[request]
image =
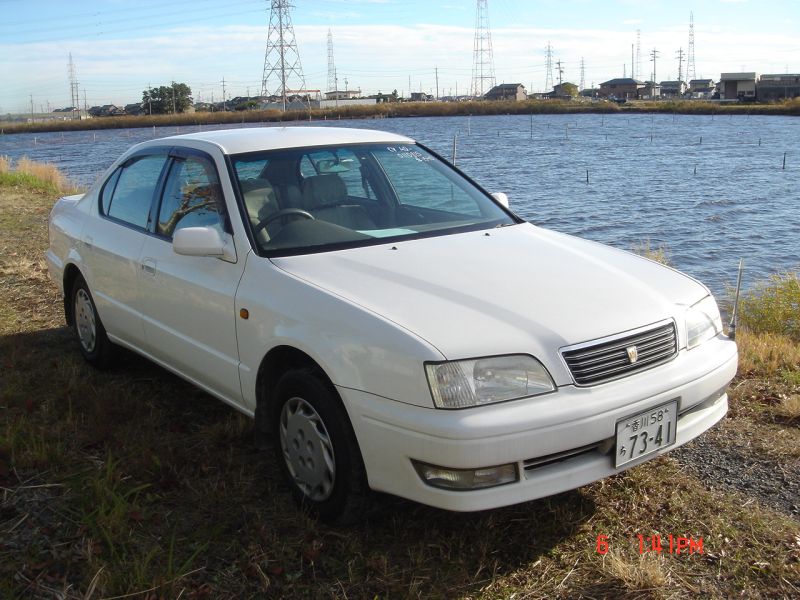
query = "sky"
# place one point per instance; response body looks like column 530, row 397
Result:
column 120, row 47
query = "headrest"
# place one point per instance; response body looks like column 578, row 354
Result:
column 324, row 190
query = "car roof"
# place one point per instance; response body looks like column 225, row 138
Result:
column 253, row 139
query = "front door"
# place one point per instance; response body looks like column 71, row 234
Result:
column 189, row 313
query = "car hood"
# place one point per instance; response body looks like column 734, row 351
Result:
column 516, row 289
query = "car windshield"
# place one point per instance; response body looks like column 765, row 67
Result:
column 315, row 199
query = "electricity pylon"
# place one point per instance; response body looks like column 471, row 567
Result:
column 283, row 73
column 482, row 61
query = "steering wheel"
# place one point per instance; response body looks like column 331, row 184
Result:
column 285, row 212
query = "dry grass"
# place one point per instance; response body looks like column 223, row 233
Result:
column 773, row 306
column 766, row 354
column 645, row 572
column 30, row 174
column 134, row 482
column 660, row 254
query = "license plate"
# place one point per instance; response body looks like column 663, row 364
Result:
column 645, row 433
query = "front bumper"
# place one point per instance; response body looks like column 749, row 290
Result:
column 391, row 434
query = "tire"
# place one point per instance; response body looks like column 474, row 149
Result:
column 90, row 334
column 316, row 449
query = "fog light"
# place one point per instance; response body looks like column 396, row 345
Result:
column 466, row 479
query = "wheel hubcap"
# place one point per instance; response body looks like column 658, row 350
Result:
column 84, row 320
column 307, row 449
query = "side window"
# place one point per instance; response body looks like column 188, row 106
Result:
column 133, row 194
column 108, row 191
column 192, row 197
column 419, row 182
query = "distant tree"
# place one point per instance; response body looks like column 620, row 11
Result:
column 569, row 89
column 247, row 105
column 167, row 99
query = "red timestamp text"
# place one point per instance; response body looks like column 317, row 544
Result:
column 658, row 544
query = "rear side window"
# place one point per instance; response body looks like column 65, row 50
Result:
column 192, row 197
column 133, row 194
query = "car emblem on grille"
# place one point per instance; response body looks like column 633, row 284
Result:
column 633, row 353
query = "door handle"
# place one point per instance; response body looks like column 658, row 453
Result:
column 149, row 266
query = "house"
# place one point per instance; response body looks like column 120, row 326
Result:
column 507, row 91
column 342, row 94
column 737, row 86
column 673, row 89
column 702, row 88
column 778, row 87
column 651, row 90
column 420, row 97
column 107, row 110
column 564, row 91
column 137, row 108
column 622, row 88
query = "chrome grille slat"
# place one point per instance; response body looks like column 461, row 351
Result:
column 608, row 360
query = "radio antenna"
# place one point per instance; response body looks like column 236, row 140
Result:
column 732, row 326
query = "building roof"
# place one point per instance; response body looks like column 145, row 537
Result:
column 506, row 87
column 738, row 76
column 253, row 139
column 672, row 83
column 701, row 81
column 622, row 81
column 780, row 77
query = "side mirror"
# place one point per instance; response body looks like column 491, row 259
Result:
column 198, row 241
column 501, row 197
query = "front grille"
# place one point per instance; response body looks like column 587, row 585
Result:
column 607, row 360
column 543, row 461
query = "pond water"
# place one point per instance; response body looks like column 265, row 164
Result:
column 709, row 189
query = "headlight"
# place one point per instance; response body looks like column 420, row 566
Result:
column 702, row 322
column 465, row 383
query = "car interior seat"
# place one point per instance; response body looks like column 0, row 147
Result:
column 325, row 197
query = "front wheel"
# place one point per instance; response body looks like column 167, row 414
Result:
column 93, row 342
column 317, row 450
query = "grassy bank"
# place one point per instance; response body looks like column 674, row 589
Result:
column 134, row 482
column 408, row 109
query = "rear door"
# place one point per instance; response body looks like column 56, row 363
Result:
column 189, row 312
column 113, row 243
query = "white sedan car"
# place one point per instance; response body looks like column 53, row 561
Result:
column 388, row 323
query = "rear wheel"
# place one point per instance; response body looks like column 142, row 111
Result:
column 93, row 342
column 316, row 448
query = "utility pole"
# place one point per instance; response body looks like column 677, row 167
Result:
column 583, row 76
column 173, row 98
column 85, row 104
column 633, row 64
column 560, row 73
column 32, row 117
column 653, row 57
column 149, row 99
column 224, row 106
column 679, row 54
column 437, row 83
